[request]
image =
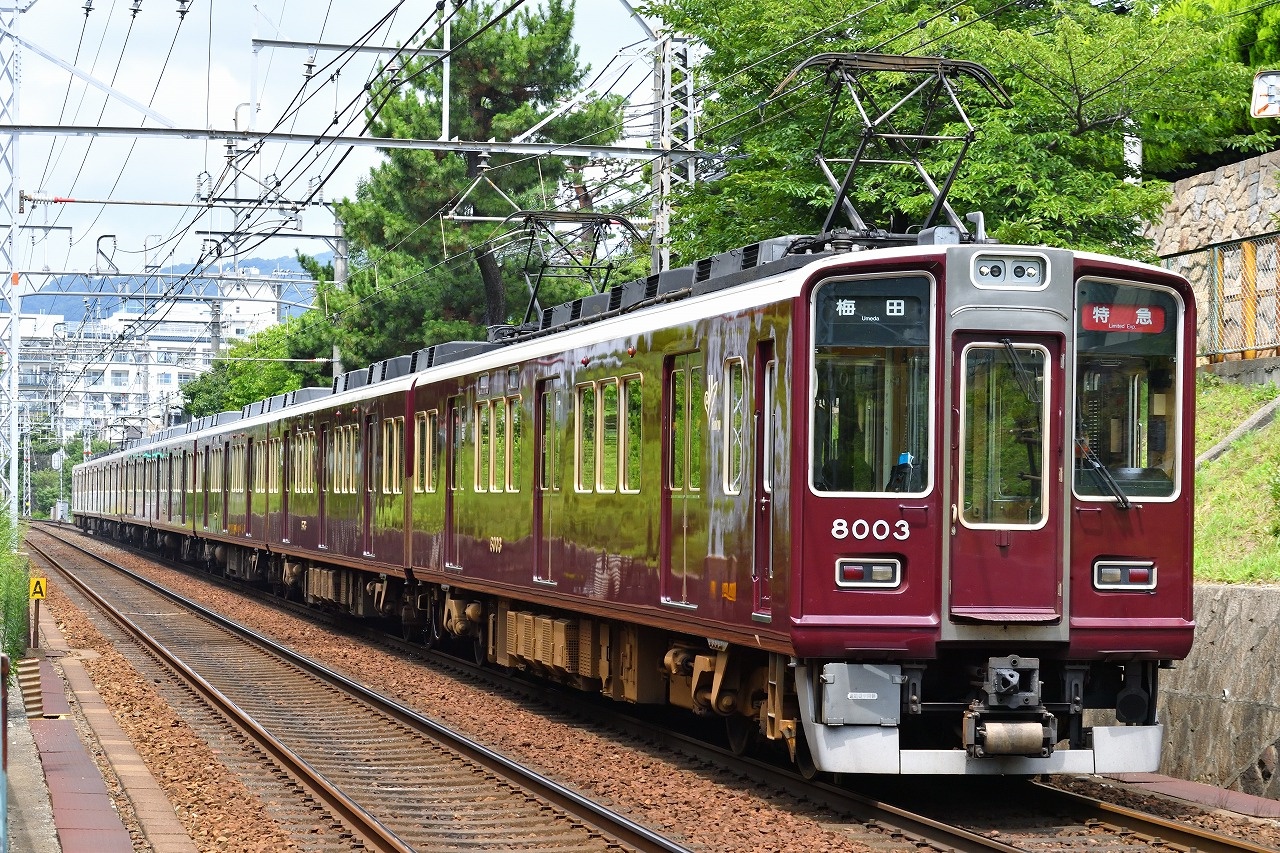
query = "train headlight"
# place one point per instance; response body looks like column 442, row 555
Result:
column 1124, row 575
column 868, row 573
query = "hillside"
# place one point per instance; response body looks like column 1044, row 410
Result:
column 1237, row 536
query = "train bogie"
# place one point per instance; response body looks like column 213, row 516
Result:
column 915, row 510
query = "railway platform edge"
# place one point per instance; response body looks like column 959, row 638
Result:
column 58, row 799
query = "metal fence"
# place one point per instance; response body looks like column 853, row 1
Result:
column 1237, row 287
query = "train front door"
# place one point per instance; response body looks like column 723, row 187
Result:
column 1006, row 513
column 684, row 515
column 548, row 499
column 765, row 375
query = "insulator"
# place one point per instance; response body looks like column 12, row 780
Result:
column 88, row 7
column 136, row 7
column 182, row 8
column 309, row 67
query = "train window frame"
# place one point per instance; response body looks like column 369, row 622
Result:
column 515, row 437
column 483, row 442
column 375, row 455
column 928, row 408
column 425, row 425
column 609, row 439
column 733, row 431
column 1046, row 392
column 631, row 449
column 686, row 385
column 586, row 443
column 392, row 455
column 499, row 472
column 551, row 406
column 1174, row 407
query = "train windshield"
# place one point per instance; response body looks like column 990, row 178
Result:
column 1127, row 406
column 870, row 385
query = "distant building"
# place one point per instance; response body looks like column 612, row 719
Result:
column 119, row 376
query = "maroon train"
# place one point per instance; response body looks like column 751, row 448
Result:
column 919, row 509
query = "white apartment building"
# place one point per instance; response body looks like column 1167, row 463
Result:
column 119, row 376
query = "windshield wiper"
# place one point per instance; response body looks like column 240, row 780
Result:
column 1026, row 379
column 1099, row 470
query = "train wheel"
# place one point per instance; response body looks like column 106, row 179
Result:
column 479, row 648
column 740, row 732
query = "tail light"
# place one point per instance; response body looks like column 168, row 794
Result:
column 1124, row 575
column 868, row 573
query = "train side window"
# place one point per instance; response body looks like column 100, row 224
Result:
column 735, row 425
column 483, row 445
column 500, row 479
column 632, row 438
column 586, row 446
column 392, row 454
column 421, row 451
column 695, row 428
column 457, row 427
column 514, row 434
column 686, row 425
column 550, row 408
column 374, row 454
column 610, row 435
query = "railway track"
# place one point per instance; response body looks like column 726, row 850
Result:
column 1076, row 822
column 393, row 779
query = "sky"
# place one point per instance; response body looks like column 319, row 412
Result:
column 199, row 71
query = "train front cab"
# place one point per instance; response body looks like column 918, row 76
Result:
column 997, row 525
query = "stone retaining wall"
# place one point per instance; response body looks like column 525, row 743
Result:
column 1229, row 203
column 1221, row 706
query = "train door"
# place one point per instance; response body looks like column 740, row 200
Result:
column 765, row 376
column 204, row 483
column 322, row 491
column 1006, row 515
column 455, row 418
column 250, row 482
column 372, row 469
column 286, row 481
column 548, row 499
column 225, row 481
column 684, row 521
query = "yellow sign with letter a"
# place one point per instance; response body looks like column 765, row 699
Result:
column 38, row 587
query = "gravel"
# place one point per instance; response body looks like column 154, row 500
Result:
column 706, row 808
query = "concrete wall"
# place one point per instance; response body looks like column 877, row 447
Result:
column 1221, row 706
column 1247, row 371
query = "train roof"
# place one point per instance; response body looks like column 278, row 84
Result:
column 755, row 263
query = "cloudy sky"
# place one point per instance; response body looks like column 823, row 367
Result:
column 199, row 72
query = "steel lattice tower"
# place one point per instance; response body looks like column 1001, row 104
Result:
column 9, row 330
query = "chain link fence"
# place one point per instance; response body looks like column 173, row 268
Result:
column 1237, row 287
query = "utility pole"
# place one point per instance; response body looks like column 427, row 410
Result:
column 9, row 75
column 673, row 128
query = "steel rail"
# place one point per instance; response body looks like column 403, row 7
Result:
column 611, row 823
column 1152, row 827
column 365, row 825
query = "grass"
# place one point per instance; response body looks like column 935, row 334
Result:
column 13, row 592
column 1237, row 520
column 1221, row 407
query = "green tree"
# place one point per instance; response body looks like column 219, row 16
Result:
column 1049, row 170
column 270, row 362
column 415, row 279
